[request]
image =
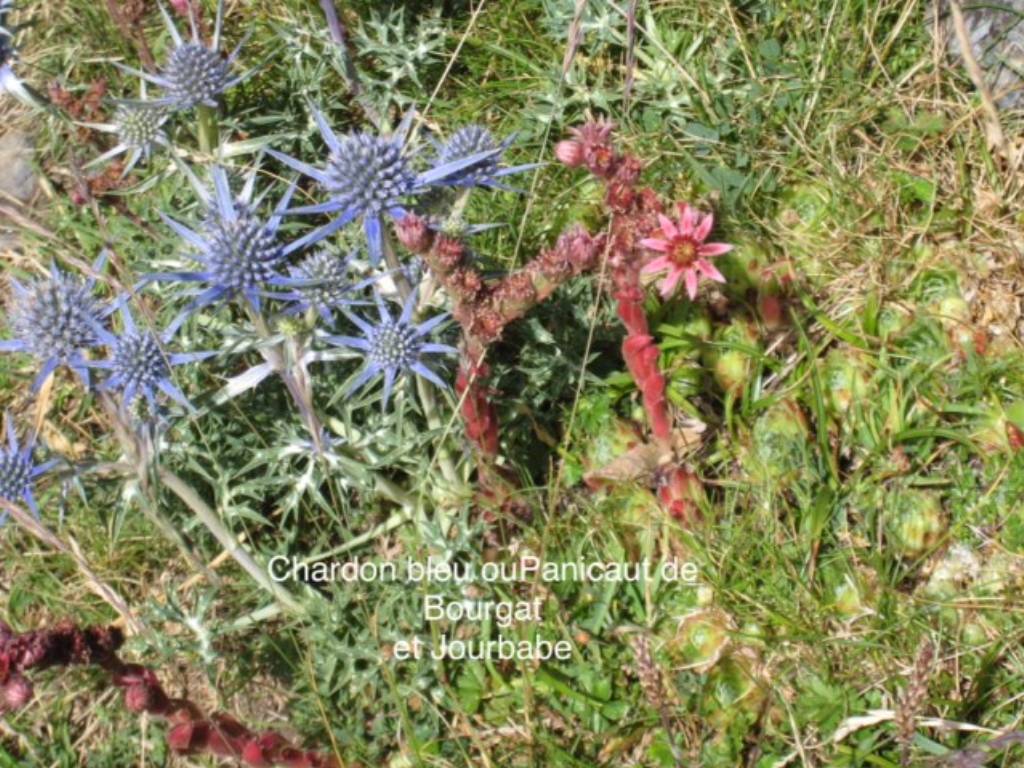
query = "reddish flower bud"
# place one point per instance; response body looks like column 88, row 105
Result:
column 488, row 324
column 465, row 284
column 627, row 173
column 771, row 310
column 599, row 160
column 412, row 232
column 1015, row 437
column 259, row 752
column 16, row 693
column 222, row 744
column 569, row 152
column 449, row 252
column 620, row 197
column 594, row 132
column 679, row 491
column 579, row 248
column 80, row 195
column 138, row 697
column 188, row 737
column 980, row 342
column 253, row 754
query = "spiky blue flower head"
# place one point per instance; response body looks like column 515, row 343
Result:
column 368, row 177
column 139, row 365
column 55, row 320
column 9, row 81
column 476, row 141
column 322, row 283
column 194, row 74
column 138, row 126
column 6, row 56
column 394, row 346
column 6, row 33
column 238, row 249
column 18, row 472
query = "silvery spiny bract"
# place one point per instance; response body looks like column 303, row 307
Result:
column 399, row 49
column 18, row 472
column 194, row 74
column 473, row 140
column 369, row 176
column 394, row 346
column 139, row 365
column 239, row 250
column 139, row 129
column 321, row 281
column 9, row 82
column 55, row 319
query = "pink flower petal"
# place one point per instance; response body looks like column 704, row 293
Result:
column 687, row 219
column 654, row 244
column 691, row 283
column 714, row 249
column 703, row 229
column 708, row 270
column 659, row 264
column 668, row 286
column 667, row 226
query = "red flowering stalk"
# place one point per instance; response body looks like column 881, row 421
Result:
column 645, row 241
column 635, row 214
column 641, row 356
column 478, row 411
column 483, row 308
column 190, row 732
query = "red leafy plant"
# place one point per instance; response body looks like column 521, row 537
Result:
column 640, row 241
column 190, row 733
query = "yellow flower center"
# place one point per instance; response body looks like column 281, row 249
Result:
column 683, row 252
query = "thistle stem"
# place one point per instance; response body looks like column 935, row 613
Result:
column 425, row 392
column 209, row 130
column 172, row 534
column 133, row 443
column 209, row 518
column 300, row 393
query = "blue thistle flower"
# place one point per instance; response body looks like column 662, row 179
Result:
column 321, row 282
column 18, row 472
column 138, row 126
column 138, row 364
column 367, row 177
column 394, row 346
column 55, row 320
column 6, row 33
column 239, row 250
column 194, row 74
column 9, row 81
column 7, row 76
column 474, row 141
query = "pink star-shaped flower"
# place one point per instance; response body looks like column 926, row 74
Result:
column 684, row 254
